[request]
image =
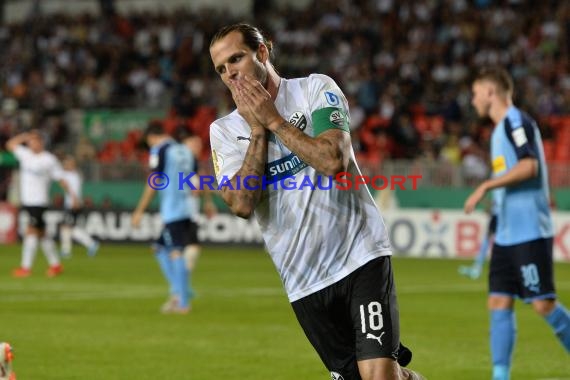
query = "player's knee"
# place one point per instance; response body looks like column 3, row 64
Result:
column 191, row 254
column 408, row 374
column 175, row 254
column 379, row 369
column 544, row 307
column 500, row 302
column 34, row 231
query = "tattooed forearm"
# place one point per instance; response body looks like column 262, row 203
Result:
column 242, row 196
column 327, row 154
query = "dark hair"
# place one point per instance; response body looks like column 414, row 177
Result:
column 498, row 76
column 182, row 133
column 252, row 36
column 154, row 128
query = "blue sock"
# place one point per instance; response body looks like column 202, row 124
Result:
column 503, row 334
column 181, row 279
column 163, row 258
column 482, row 255
column 559, row 320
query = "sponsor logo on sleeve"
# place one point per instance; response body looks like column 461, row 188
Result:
column 519, row 137
column 337, row 118
column 298, row 120
column 499, row 164
column 332, row 99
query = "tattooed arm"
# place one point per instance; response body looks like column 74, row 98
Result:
column 328, row 153
column 239, row 198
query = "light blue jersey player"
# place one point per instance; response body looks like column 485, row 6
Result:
column 167, row 160
column 521, row 262
column 514, row 138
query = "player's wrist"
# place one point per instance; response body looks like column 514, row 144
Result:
column 276, row 124
column 259, row 132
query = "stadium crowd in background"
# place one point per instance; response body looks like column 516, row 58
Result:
column 404, row 67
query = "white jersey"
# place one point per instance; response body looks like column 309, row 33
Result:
column 315, row 237
column 36, row 173
column 75, row 183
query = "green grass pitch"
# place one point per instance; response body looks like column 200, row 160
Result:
column 100, row 320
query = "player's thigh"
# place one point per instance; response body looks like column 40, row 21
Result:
column 36, row 221
column 503, row 277
column 535, row 270
column 327, row 325
column 192, row 234
column 70, row 217
column 175, row 235
column 374, row 311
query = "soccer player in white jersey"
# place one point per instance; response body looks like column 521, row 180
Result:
column 69, row 230
column 38, row 168
column 330, row 246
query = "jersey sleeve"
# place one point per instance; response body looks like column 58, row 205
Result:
column 328, row 105
column 520, row 132
column 56, row 172
column 226, row 158
column 157, row 158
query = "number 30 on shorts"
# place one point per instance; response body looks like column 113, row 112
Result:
column 374, row 320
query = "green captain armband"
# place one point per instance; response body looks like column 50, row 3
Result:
column 329, row 118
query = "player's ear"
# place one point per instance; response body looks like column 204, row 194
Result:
column 262, row 53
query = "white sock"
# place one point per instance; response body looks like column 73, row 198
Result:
column 65, row 240
column 81, row 236
column 29, row 251
column 48, row 246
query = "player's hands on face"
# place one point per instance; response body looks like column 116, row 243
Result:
column 242, row 106
column 255, row 102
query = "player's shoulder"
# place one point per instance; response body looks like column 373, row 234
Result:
column 162, row 148
column 517, row 118
column 313, row 82
column 229, row 118
column 48, row 156
column 228, row 125
column 317, row 78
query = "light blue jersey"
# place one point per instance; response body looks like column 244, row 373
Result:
column 172, row 158
column 523, row 211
